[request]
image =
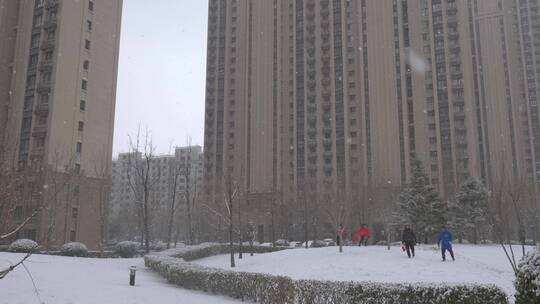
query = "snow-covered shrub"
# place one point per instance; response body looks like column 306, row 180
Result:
column 23, row 245
column 317, row 244
column 282, row 243
column 329, row 242
column 158, row 246
column 271, row 289
column 74, row 249
column 126, row 249
column 528, row 279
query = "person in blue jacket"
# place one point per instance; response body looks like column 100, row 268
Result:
column 445, row 243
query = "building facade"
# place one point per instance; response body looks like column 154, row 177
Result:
column 175, row 177
column 58, row 75
column 313, row 100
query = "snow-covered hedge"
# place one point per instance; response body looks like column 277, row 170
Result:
column 23, row 245
column 190, row 253
column 272, row 289
column 74, row 249
column 282, row 243
column 126, row 249
column 528, row 279
column 158, row 246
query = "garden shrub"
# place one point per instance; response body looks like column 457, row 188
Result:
column 74, row 249
column 527, row 281
column 23, row 245
column 126, row 249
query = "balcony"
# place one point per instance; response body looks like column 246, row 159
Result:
column 44, row 87
column 52, row 4
column 39, row 131
column 37, row 152
column 47, row 44
column 45, row 66
column 49, row 24
column 42, row 108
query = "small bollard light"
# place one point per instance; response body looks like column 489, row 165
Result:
column 132, row 271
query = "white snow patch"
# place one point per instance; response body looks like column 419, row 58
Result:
column 482, row 264
column 63, row 280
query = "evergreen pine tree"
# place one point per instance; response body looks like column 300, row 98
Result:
column 469, row 212
column 420, row 205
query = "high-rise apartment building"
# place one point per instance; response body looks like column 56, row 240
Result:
column 58, row 74
column 318, row 99
column 177, row 177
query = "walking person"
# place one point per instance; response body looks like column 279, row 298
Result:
column 339, row 234
column 363, row 234
column 408, row 239
column 339, row 237
column 445, row 243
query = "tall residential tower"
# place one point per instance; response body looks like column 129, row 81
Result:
column 58, row 74
column 318, row 100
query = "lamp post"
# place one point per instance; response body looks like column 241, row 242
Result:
column 132, row 271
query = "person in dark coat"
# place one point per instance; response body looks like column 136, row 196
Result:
column 408, row 239
column 339, row 234
column 445, row 243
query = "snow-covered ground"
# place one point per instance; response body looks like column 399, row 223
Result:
column 65, row 280
column 474, row 264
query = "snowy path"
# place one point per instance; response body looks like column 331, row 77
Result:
column 64, row 280
column 474, row 264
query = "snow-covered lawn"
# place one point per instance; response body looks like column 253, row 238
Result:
column 474, row 264
column 65, row 280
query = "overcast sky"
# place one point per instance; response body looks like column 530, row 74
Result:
column 161, row 75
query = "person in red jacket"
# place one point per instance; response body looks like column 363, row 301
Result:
column 363, row 235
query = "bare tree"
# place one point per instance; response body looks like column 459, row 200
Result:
column 172, row 209
column 143, row 179
column 190, row 200
column 102, row 172
column 230, row 194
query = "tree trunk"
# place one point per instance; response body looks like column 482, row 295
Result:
column 146, row 224
column 231, row 238
column 171, row 217
column 241, row 236
column 189, row 215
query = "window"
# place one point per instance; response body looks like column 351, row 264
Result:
column 74, row 213
column 82, row 105
column 77, row 168
column 88, row 25
column 28, row 101
column 81, row 126
column 49, row 56
column 87, row 44
column 86, row 64
column 35, row 41
column 72, row 236
column 84, row 84
column 79, row 148
column 51, row 35
column 91, row 6
column 40, row 142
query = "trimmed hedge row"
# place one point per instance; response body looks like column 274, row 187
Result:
column 205, row 250
column 271, row 289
